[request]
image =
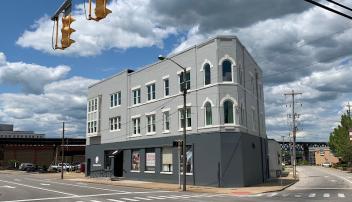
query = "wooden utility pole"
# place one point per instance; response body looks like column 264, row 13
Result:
column 62, row 150
column 294, row 115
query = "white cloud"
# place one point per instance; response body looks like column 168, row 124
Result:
column 131, row 24
column 31, row 77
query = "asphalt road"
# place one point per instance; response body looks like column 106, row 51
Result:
column 316, row 184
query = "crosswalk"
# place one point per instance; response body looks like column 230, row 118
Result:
column 301, row 195
column 153, row 198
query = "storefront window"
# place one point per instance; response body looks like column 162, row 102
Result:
column 166, row 159
column 136, row 159
column 189, row 155
column 150, row 159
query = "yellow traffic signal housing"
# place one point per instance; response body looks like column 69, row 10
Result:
column 100, row 10
column 66, row 31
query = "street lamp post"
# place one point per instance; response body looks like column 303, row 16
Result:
column 184, row 90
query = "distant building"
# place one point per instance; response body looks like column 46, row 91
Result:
column 275, row 159
column 6, row 131
column 320, row 155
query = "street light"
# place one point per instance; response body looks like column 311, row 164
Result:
column 184, row 90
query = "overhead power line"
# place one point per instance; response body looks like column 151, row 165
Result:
column 330, row 9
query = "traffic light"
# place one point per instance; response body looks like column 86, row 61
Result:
column 100, row 10
column 66, row 31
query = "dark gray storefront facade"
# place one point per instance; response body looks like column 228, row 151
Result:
column 218, row 159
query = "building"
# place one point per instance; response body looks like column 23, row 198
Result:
column 6, row 131
column 320, row 155
column 29, row 147
column 275, row 159
column 134, row 117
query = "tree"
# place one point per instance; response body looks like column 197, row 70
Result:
column 339, row 140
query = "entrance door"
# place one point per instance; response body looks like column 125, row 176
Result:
column 88, row 167
column 118, row 164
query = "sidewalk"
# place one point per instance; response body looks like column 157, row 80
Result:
column 271, row 186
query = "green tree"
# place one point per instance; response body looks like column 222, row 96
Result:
column 339, row 140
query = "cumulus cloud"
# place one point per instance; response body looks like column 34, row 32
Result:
column 31, row 77
column 131, row 24
column 47, row 98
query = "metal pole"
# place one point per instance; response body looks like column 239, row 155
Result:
column 179, row 165
column 62, row 150
column 294, row 134
column 184, row 130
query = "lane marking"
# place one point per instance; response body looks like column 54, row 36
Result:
column 155, row 197
column 87, row 196
column 129, row 199
column 7, row 186
column 326, row 195
column 312, row 195
column 76, row 185
column 143, row 199
column 44, row 184
column 114, row 200
column 285, row 195
column 340, row 195
column 94, row 201
column 339, row 177
column 272, row 194
column 40, row 188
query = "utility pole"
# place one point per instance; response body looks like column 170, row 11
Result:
column 62, row 150
column 349, row 109
column 294, row 128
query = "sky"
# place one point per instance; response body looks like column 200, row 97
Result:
column 297, row 46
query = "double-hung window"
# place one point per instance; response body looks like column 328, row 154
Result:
column 136, row 126
column 151, row 91
column 166, row 159
column 166, row 121
column 188, row 118
column 115, row 123
column 185, row 80
column 151, row 124
column 136, row 96
column 166, row 87
column 115, row 99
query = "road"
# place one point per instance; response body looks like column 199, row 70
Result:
column 316, row 184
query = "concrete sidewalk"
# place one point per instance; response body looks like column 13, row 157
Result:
column 271, row 186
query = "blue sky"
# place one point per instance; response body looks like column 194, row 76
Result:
column 297, row 46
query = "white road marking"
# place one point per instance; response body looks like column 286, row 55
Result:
column 94, row 201
column 333, row 180
column 129, row 199
column 40, row 188
column 298, row 195
column 326, row 195
column 155, row 197
column 114, row 200
column 285, row 194
column 7, row 186
column 272, row 194
column 86, row 196
column 340, row 177
column 141, row 198
column 311, row 195
column 44, row 184
column 340, row 195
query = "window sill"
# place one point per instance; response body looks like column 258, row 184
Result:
column 166, row 132
column 135, row 171
column 147, row 171
column 150, row 101
column 115, row 106
column 152, row 133
column 166, row 173
column 136, row 105
column 188, row 174
column 187, row 129
column 136, row 135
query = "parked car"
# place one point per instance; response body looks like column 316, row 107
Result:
column 26, row 167
column 326, row 164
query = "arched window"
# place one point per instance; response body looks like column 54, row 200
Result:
column 207, row 75
column 208, row 114
column 228, row 112
column 226, row 71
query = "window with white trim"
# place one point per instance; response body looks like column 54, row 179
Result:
column 151, row 123
column 227, row 71
column 208, row 114
column 207, row 74
column 166, row 159
column 166, row 121
column 185, row 80
column 166, row 87
column 228, row 112
column 188, row 118
column 136, row 126
column 151, row 91
column 115, row 99
column 150, row 159
column 92, row 116
column 136, row 96
column 115, row 123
